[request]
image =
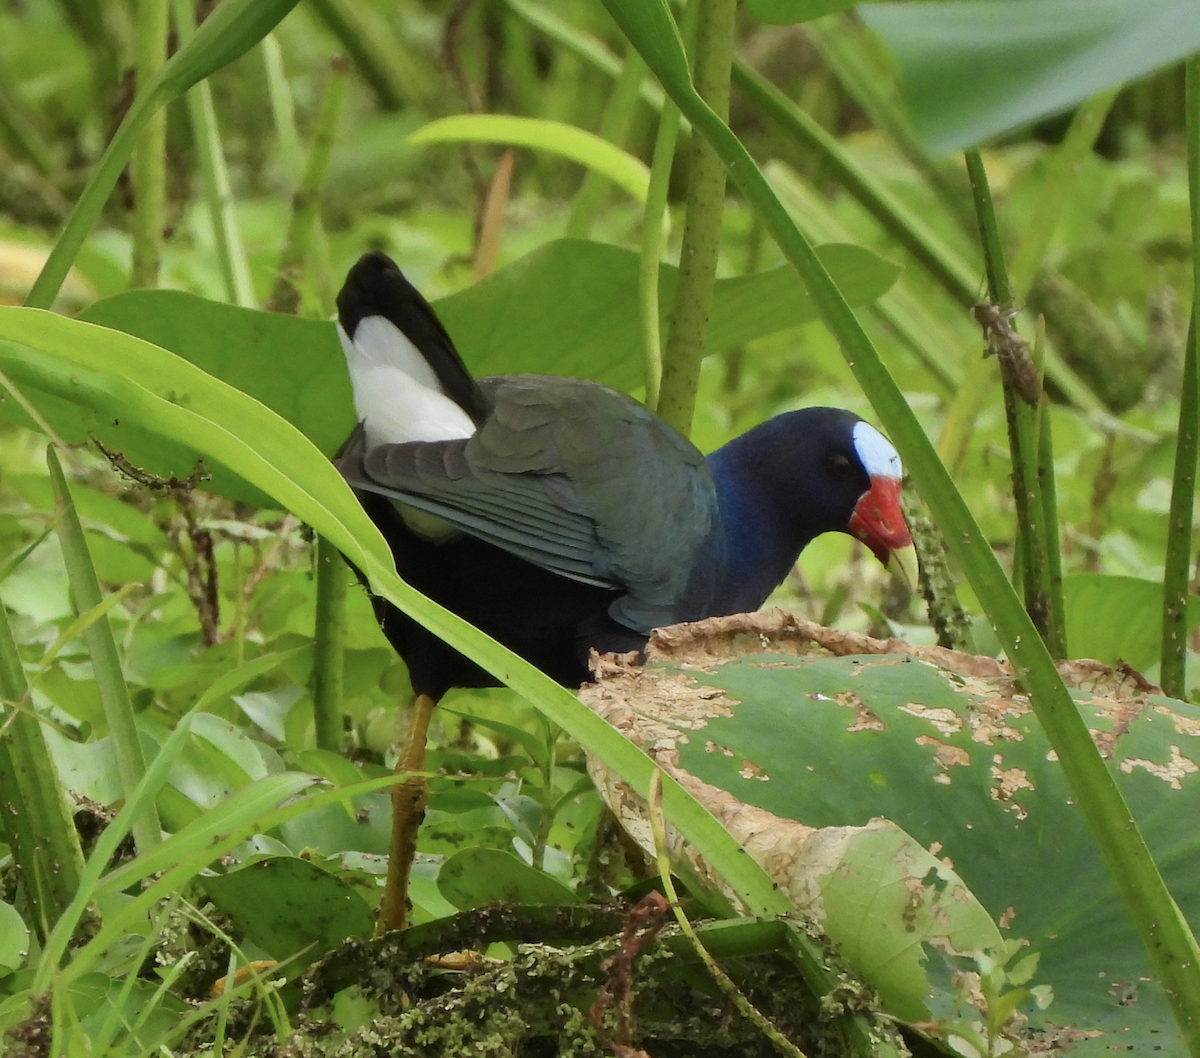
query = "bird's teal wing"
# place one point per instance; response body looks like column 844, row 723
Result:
column 570, row 475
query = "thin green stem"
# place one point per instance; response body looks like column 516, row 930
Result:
column 1022, row 425
column 1187, row 440
column 41, row 833
column 150, row 156
column 658, row 826
column 329, row 657
column 397, row 72
column 106, row 663
column 655, row 225
column 1058, row 616
column 283, row 112
column 702, row 232
column 306, row 202
column 231, row 254
column 614, row 127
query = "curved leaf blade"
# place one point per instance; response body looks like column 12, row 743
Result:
column 969, row 71
column 577, row 144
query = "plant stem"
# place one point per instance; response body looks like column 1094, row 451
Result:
column 654, row 243
column 655, row 228
column 283, row 112
column 1058, row 616
column 1022, row 424
column 231, row 255
column 306, row 202
column 491, row 219
column 702, row 233
column 38, row 820
column 1183, row 486
column 149, row 156
column 106, row 663
column 329, row 658
column 398, row 74
column 303, row 237
column 614, row 127
column 733, row 994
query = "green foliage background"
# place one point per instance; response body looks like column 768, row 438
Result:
column 212, row 592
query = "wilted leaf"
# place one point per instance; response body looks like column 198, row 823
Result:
column 945, row 746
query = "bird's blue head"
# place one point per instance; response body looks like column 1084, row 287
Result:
column 804, row 473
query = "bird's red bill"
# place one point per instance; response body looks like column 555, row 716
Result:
column 878, row 521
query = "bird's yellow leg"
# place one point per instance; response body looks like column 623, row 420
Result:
column 408, row 810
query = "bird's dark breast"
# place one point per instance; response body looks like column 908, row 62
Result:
column 547, row 619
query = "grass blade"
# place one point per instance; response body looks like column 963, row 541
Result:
column 102, row 647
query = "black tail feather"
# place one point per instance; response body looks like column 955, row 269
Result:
column 375, row 286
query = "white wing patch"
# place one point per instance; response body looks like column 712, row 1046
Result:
column 878, row 457
column 397, row 396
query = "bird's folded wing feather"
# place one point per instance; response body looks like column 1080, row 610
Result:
column 567, row 474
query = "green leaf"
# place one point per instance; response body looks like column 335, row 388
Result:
column 789, row 12
column 586, row 148
column 227, row 34
column 14, row 939
column 332, row 829
column 478, row 876
column 651, row 28
column 962, row 765
column 1117, row 618
column 284, row 904
column 293, row 366
column 969, row 71
column 1167, row 936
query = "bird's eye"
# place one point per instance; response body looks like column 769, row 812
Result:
column 839, row 465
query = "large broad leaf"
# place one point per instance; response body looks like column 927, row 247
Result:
column 287, row 905
column 568, row 308
column 971, row 70
column 958, row 760
column 1117, row 618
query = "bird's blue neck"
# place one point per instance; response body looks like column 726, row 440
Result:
column 758, row 546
